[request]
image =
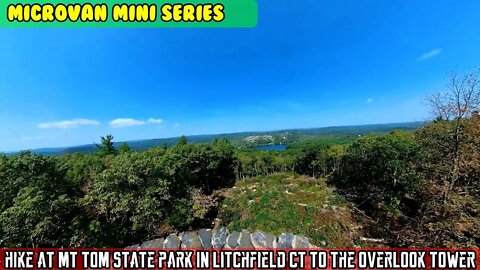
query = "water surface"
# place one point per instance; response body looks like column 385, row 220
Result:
column 272, row 147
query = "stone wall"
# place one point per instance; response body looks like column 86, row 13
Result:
column 222, row 238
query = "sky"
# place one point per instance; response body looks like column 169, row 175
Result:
column 308, row 63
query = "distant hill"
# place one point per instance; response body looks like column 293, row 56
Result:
column 291, row 137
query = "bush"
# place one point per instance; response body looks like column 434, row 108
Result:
column 381, row 168
column 112, row 199
column 36, row 205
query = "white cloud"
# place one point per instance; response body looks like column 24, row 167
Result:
column 126, row 122
column 369, row 100
column 155, row 121
column 69, row 123
column 130, row 122
column 176, row 125
column 430, row 54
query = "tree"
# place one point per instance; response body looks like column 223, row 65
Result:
column 124, row 148
column 37, row 219
column 381, row 168
column 335, row 154
column 311, row 161
column 452, row 188
column 110, row 200
column 460, row 100
column 81, row 168
column 36, row 202
column 182, row 140
column 106, row 146
column 29, row 170
column 451, row 109
column 206, row 166
column 128, row 200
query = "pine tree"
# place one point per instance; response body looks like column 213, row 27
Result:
column 106, row 147
column 182, row 140
column 124, row 149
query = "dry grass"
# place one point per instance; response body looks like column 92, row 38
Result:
column 283, row 202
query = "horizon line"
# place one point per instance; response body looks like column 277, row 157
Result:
column 207, row 134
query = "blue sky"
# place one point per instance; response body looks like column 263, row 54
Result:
column 309, row 63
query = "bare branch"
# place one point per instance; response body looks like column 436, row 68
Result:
column 461, row 99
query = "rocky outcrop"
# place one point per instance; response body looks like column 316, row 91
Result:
column 222, row 238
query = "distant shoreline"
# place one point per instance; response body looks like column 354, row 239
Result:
column 237, row 137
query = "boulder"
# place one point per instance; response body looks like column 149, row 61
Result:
column 219, row 237
column 245, row 240
column 285, row 240
column 157, row 243
column 300, row 242
column 262, row 240
column 172, row 241
column 232, row 240
column 190, row 240
column 133, row 247
column 205, row 238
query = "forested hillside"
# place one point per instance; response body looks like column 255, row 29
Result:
column 403, row 188
column 294, row 138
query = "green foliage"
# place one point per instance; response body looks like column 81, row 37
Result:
column 106, row 147
column 254, row 163
column 37, row 217
column 124, row 149
column 334, row 156
column 28, row 170
column 140, row 192
column 110, row 199
column 320, row 160
column 205, row 166
column 116, row 198
column 181, row 216
column 323, row 141
column 81, row 169
column 450, row 160
column 36, row 202
column 182, row 140
column 311, row 161
column 129, row 197
column 202, row 204
column 381, row 168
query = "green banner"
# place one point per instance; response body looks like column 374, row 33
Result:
column 128, row 13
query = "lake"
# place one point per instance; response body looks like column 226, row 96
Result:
column 272, row 147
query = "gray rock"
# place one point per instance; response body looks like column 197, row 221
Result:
column 300, row 242
column 262, row 240
column 245, row 240
column 205, row 238
column 190, row 240
column 285, row 240
column 157, row 243
column 232, row 240
column 172, row 241
column 219, row 238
